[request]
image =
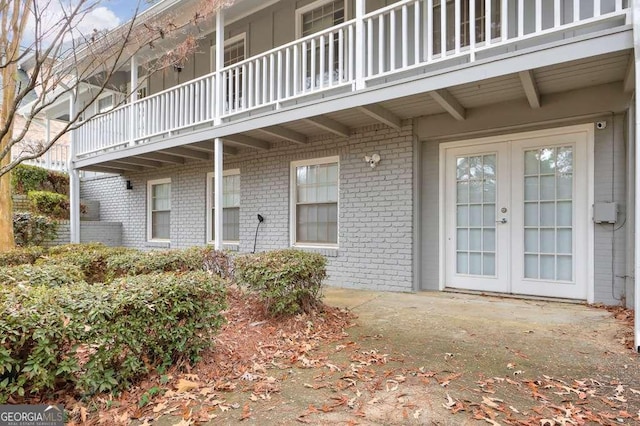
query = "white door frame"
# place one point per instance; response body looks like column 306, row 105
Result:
column 588, row 129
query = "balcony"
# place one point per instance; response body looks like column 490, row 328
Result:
column 400, row 41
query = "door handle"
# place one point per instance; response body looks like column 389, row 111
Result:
column 503, row 220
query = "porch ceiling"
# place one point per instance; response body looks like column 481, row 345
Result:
column 456, row 100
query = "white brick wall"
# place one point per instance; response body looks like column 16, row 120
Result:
column 375, row 208
column 108, row 233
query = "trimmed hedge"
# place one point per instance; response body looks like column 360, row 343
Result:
column 54, row 275
column 289, row 281
column 138, row 263
column 102, row 338
column 49, row 204
column 92, row 258
column 26, row 178
column 21, row 256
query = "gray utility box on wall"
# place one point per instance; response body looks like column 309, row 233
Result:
column 604, row 212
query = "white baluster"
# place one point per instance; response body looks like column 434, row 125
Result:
column 429, row 35
column 331, row 64
column 381, row 44
column 443, row 28
column 405, row 37
column 538, row 15
column 487, row 22
column 504, row 21
column 520, row 18
column 369, row 70
column 322, row 64
column 457, row 22
column 272, row 77
column 417, row 24
column 392, row 41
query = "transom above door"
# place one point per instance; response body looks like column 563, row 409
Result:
column 517, row 214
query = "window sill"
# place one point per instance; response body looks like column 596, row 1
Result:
column 158, row 244
column 328, row 251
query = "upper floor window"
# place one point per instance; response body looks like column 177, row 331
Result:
column 465, row 28
column 234, row 51
column 159, row 210
column 230, row 207
column 314, row 201
column 320, row 15
column 105, row 103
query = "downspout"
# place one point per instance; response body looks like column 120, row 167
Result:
column 636, row 47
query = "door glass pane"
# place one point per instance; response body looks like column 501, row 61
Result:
column 548, row 231
column 475, row 215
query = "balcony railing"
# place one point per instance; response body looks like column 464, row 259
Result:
column 56, row 158
column 399, row 37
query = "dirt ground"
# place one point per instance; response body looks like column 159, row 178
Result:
column 450, row 359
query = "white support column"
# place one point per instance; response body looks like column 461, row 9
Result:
column 133, row 97
column 74, row 181
column 218, row 192
column 219, row 61
column 636, row 43
column 361, row 44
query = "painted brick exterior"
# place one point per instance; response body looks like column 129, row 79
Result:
column 375, row 205
column 107, row 233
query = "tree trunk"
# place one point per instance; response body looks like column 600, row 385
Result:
column 7, row 241
column 6, row 209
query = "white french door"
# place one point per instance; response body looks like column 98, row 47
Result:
column 517, row 216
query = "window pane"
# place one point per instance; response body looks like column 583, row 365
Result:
column 317, row 223
column 160, row 225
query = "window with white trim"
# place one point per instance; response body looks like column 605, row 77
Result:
column 159, row 210
column 314, row 201
column 234, row 52
column 105, row 103
column 320, row 15
column 313, row 18
column 230, row 207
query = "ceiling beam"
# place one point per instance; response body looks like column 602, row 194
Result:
column 163, row 158
column 188, row 153
column 286, row 134
column 120, row 166
column 530, row 87
column 447, row 101
column 207, row 146
column 247, row 142
column 630, row 75
column 382, row 115
column 330, row 125
column 140, row 162
column 103, row 170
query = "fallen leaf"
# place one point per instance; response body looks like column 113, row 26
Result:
column 186, row 385
column 161, row 406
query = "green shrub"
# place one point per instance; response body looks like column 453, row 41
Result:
column 49, row 204
column 21, row 256
column 30, row 229
column 140, row 263
column 102, row 338
column 28, row 178
column 289, row 281
column 90, row 258
column 54, row 275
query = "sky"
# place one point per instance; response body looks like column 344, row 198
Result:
column 106, row 15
